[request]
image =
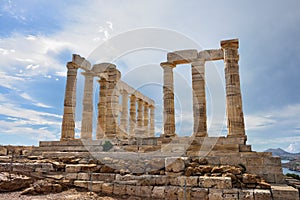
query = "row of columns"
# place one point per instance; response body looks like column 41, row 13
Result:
column 234, row 111
column 108, row 107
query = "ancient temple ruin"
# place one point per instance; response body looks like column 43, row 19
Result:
column 134, row 150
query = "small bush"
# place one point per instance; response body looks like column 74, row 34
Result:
column 243, row 167
column 107, row 146
column 295, row 176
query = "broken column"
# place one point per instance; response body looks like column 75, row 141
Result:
column 124, row 111
column 199, row 99
column 100, row 133
column 132, row 114
column 87, row 112
column 235, row 116
column 168, row 98
column 68, row 122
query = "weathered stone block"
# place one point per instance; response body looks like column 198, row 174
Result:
column 284, row 192
column 215, row 182
column 83, row 176
column 210, row 55
column 83, row 184
column 161, row 180
column 174, row 164
column 158, row 192
column 199, row 193
column 130, row 189
column 215, row 194
column 107, row 177
column 231, row 194
column 146, row 191
column 107, row 188
column 191, row 181
column 119, row 189
column 184, row 193
column 71, row 176
column 246, row 194
column 262, row 194
column 181, row 57
column 171, row 192
column 74, row 168
column 96, row 186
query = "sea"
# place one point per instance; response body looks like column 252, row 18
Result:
column 286, row 170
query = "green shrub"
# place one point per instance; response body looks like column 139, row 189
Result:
column 243, row 167
column 107, row 146
column 295, row 176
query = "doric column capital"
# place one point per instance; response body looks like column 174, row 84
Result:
column 230, row 44
column 167, row 65
column 71, row 65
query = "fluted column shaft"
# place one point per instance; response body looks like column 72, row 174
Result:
column 146, row 119
column 101, row 124
column 168, row 91
column 151, row 127
column 87, row 112
column 68, row 122
column 234, row 109
column 199, row 99
column 112, row 102
column 140, row 113
column 124, row 112
column 132, row 114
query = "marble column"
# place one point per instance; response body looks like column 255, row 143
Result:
column 140, row 113
column 101, row 124
column 168, row 91
column 234, row 108
column 132, row 114
column 112, row 102
column 87, row 109
column 124, row 111
column 146, row 119
column 68, row 121
column 152, row 116
column 199, row 99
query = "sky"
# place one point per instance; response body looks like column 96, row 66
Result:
column 38, row 38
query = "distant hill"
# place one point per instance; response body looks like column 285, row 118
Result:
column 283, row 154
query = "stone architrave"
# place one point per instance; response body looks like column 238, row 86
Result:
column 199, row 98
column 124, row 111
column 168, row 92
column 235, row 116
column 101, row 124
column 112, row 102
column 87, row 112
column 68, row 121
column 152, row 116
column 132, row 112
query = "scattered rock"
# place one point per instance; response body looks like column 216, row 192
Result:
column 42, row 187
column 3, row 151
column 13, row 182
column 249, row 178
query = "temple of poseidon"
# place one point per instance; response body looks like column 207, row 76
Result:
column 125, row 157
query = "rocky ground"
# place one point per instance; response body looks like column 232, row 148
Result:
column 71, row 194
